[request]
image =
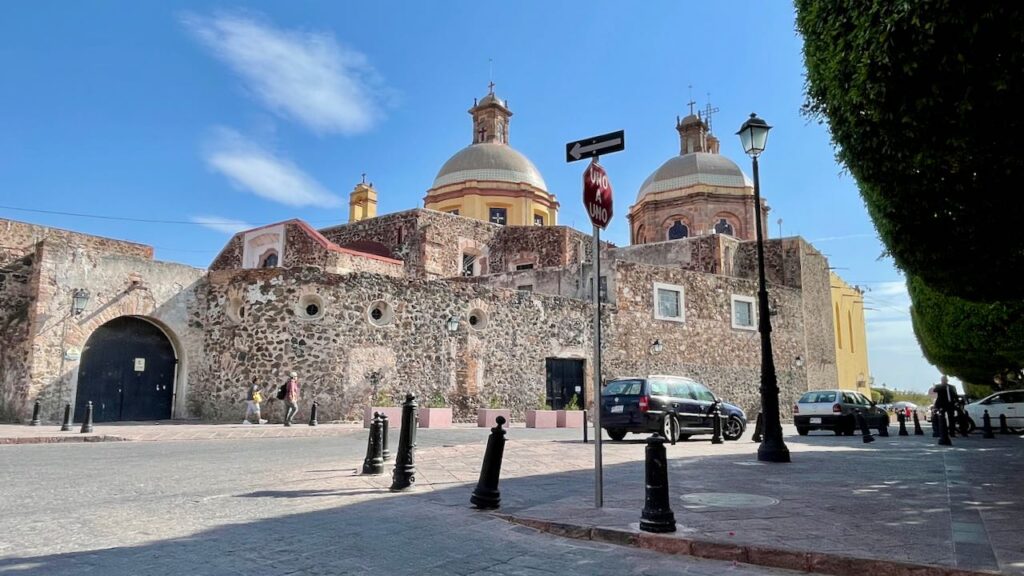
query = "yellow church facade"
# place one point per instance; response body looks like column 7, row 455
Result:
column 850, row 336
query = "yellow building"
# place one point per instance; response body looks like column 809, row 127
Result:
column 489, row 180
column 850, row 336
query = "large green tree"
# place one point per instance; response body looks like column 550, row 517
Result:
column 923, row 100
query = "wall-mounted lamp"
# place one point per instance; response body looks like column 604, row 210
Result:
column 79, row 300
column 656, row 347
column 799, row 361
column 452, row 324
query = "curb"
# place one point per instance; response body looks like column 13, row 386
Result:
column 815, row 562
column 60, row 439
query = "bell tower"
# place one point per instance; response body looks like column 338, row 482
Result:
column 362, row 202
column 490, row 119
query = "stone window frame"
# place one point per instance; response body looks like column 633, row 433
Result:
column 753, row 311
column 525, row 288
column 477, row 319
column 507, row 208
column 730, row 219
column 669, row 222
column 307, row 300
column 387, row 313
column 680, row 290
column 262, row 261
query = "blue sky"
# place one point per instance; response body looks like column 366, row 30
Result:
column 204, row 118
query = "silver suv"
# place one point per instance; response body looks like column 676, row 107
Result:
column 836, row 410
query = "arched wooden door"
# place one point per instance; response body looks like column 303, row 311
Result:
column 127, row 372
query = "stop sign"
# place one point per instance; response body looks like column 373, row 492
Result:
column 597, row 195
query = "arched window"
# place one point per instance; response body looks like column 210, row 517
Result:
column 849, row 326
column 269, row 260
column 639, row 238
column 678, row 230
column 723, row 227
column 839, row 330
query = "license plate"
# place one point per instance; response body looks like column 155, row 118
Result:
column 815, row 420
column 616, row 409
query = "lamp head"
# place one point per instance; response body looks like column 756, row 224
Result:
column 754, row 135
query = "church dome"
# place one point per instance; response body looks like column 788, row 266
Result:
column 694, row 168
column 489, row 161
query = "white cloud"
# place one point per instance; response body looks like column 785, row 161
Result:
column 306, row 76
column 226, row 225
column 253, row 168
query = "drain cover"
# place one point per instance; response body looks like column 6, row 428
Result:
column 726, row 500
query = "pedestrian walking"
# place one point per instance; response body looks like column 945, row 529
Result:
column 290, row 394
column 253, row 398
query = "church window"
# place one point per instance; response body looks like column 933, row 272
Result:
column 498, row 216
column 849, row 327
column 839, row 330
column 269, row 260
column 678, row 230
column 381, row 313
column 668, row 302
column 468, row 264
column 639, row 238
column 524, row 266
column 311, row 307
column 723, row 227
column 743, row 312
column 477, row 319
column 538, row 220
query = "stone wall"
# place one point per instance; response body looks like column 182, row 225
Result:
column 815, row 281
column 15, row 347
column 230, row 256
column 21, row 237
column 501, row 360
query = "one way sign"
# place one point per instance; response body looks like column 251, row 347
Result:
column 596, row 146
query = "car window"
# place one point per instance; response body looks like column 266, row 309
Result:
column 680, row 390
column 1014, row 397
column 623, row 388
column 862, row 400
column 702, row 393
column 849, row 398
column 814, row 397
column 659, row 388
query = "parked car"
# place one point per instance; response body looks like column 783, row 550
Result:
column 673, row 406
column 836, row 410
column 1008, row 402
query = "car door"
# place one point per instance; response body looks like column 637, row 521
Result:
column 1013, row 407
column 705, row 401
column 689, row 407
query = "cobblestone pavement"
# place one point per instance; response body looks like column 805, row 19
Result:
column 274, row 506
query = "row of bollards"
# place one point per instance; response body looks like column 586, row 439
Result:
column 404, row 474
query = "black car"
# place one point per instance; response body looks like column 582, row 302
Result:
column 670, row 405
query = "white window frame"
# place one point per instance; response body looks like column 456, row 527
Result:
column 682, row 302
column 753, row 312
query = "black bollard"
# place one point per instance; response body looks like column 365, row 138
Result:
column 944, row 439
column 486, row 496
column 657, row 515
column 917, row 425
column 312, row 413
column 87, row 423
column 586, row 425
column 864, row 430
column 883, row 427
column 1003, row 428
column 374, row 461
column 405, row 467
column 384, row 436
column 716, row 423
column 903, row 424
column 35, row 415
column 964, row 422
column 758, row 428
column 66, row 426
column 986, row 426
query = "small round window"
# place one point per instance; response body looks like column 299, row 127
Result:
column 235, row 309
column 380, row 313
column 311, row 307
column 477, row 319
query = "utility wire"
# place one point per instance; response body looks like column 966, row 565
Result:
column 128, row 219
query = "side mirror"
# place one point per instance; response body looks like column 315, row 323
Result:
column 873, row 404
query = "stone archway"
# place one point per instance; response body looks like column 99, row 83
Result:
column 127, row 371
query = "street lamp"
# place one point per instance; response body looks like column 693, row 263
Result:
column 452, row 324
column 656, row 347
column 79, row 300
column 753, row 135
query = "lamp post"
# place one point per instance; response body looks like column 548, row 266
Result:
column 753, row 135
column 79, row 300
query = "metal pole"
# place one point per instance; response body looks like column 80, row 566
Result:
column 598, row 472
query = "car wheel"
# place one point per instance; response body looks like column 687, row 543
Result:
column 802, row 430
column 670, row 428
column 616, row 434
column 732, row 428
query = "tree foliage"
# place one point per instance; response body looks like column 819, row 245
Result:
column 922, row 99
column 973, row 341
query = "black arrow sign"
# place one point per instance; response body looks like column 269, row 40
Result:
column 596, row 146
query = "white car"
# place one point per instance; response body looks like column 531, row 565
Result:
column 1007, row 402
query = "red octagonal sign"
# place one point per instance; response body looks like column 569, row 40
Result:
column 597, row 195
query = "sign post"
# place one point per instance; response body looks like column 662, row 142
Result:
column 597, row 199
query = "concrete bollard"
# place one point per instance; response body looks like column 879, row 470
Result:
column 758, row 428
column 35, row 415
column 903, row 424
column 1003, row 428
column 404, row 475
column 486, row 496
column 374, row 461
column 657, row 515
column 716, row 422
column 87, row 422
column 986, row 426
column 944, row 439
column 917, row 425
column 312, row 413
column 384, row 437
column 66, row 425
column 864, row 430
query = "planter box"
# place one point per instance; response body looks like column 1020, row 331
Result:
column 394, row 414
column 541, row 418
column 435, row 417
column 485, row 417
column 570, row 418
